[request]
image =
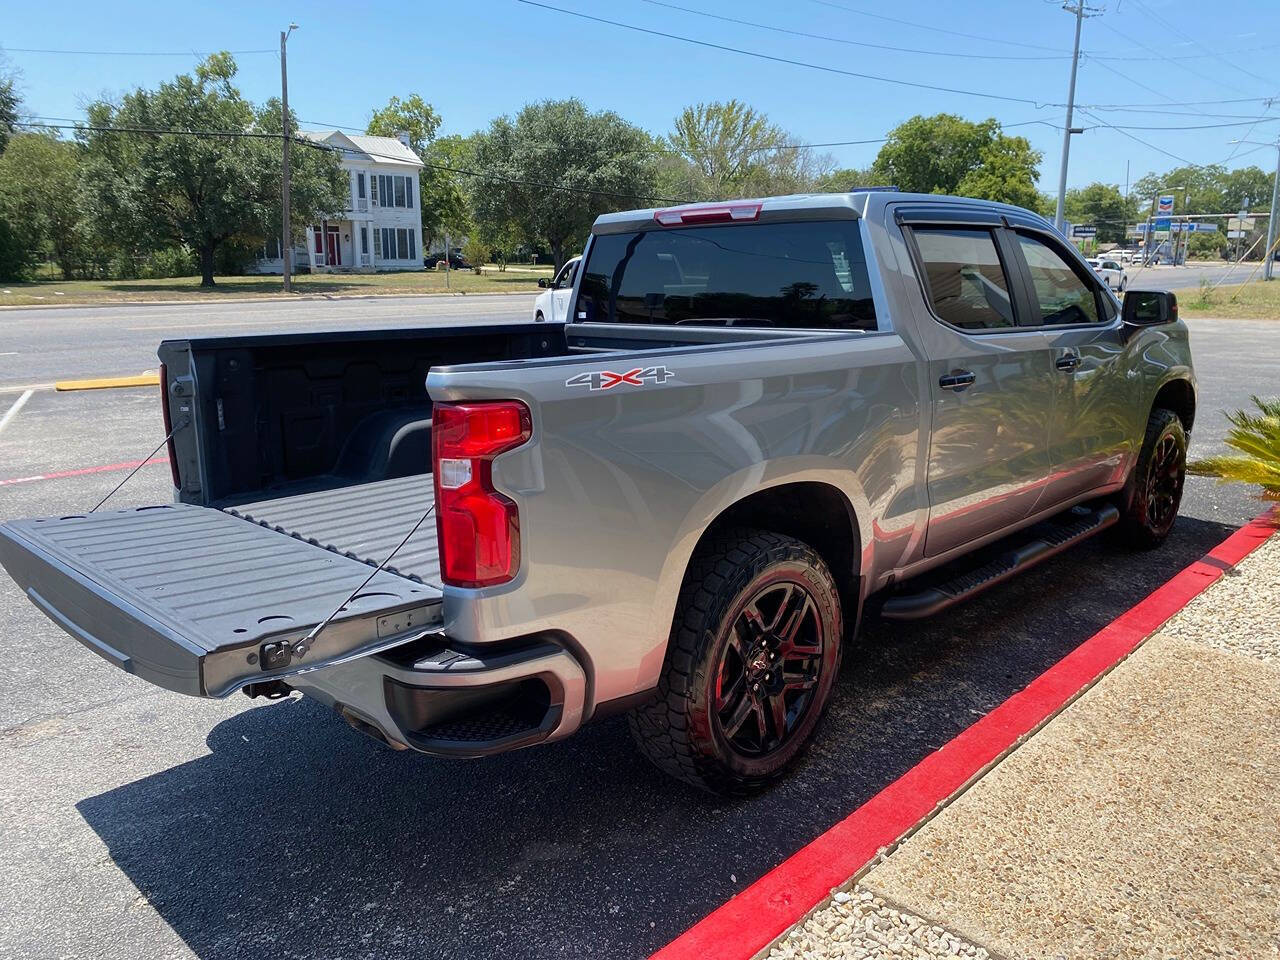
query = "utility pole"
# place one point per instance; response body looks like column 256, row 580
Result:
column 1068, row 130
column 286, row 240
column 1272, row 217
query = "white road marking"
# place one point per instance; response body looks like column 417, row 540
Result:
column 13, row 411
column 9, row 353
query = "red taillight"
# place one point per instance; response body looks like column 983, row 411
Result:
column 714, row 213
column 168, row 425
column 478, row 528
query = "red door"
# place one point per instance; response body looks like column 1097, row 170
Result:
column 333, row 249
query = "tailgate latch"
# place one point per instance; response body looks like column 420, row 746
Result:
column 276, row 655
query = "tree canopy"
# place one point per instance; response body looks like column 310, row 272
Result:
column 945, row 153
column 201, row 191
column 1102, row 205
column 10, row 103
column 39, row 196
column 550, row 171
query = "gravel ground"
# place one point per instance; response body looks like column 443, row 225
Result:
column 1236, row 615
column 858, row 925
column 1142, row 822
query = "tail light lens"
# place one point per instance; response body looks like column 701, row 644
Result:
column 170, row 447
column 479, row 528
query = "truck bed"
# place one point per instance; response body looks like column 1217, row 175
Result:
column 364, row 522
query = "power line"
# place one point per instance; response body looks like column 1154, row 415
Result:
column 795, row 63
column 853, row 43
column 1221, row 58
column 1145, row 143
column 926, row 26
column 1152, row 50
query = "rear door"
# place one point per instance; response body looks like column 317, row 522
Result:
column 1092, row 434
column 562, row 291
column 199, row 601
column 990, row 377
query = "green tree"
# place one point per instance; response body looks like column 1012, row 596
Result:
column 38, row 188
column 849, row 178
column 412, row 115
column 945, row 153
column 548, row 173
column 732, row 150
column 1007, row 171
column 10, row 104
column 200, row 191
column 1103, row 205
column 16, row 255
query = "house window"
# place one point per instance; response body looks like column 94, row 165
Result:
column 377, row 242
column 413, row 246
column 364, row 231
column 360, row 187
column 271, row 249
column 408, row 191
column 384, row 184
column 373, row 189
column 399, row 191
column 319, row 239
column 389, row 243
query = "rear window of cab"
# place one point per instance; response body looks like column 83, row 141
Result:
column 804, row 275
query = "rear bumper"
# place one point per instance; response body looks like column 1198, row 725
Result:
column 446, row 700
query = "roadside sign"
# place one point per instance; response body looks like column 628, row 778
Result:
column 1084, row 230
column 1204, row 228
column 1163, row 223
column 1241, row 223
column 1165, row 205
column 1235, row 234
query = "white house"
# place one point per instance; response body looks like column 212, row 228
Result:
column 381, row 228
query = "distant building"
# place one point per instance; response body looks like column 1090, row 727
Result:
column 381, row 228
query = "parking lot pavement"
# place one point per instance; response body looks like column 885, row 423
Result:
column 143, row 823
column 58, row 343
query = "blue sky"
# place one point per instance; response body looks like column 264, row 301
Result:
column 477, row 60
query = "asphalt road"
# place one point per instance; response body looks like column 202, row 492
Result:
column 42, row 344
column 1188, row 275
column 142, row 823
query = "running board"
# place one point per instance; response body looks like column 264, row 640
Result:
column 1047, row 539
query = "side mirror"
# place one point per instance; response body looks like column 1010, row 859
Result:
column 1149, row 308
column 544, row 282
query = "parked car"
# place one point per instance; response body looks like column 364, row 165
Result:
column 554, row 304
column 432, row 260
column 1112, row 271
column 760, row 415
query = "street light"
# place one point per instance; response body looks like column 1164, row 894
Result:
column 1272, row 215
column 286, row 241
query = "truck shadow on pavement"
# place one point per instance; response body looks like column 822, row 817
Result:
column 298, row 836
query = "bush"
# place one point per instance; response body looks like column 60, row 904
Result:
column 1257, row 437
column 1205, row 246
column 476, row 253
column 169, row 262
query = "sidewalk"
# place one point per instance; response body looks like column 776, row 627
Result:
column 1143, row 821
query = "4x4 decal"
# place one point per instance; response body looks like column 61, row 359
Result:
column 607, row 379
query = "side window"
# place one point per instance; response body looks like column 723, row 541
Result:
column 1064, row 296
column 967, row 283
column 564, row 278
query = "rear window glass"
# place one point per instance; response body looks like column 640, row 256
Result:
column 810, row 275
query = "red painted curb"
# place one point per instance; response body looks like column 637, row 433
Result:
column 105, row 468
column 750, row 921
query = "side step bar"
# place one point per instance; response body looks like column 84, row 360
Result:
column 1048, row 539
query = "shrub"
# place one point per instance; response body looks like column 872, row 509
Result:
column 476, row 253
column 1257, row 437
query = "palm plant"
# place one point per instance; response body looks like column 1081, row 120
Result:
column 1257, row 437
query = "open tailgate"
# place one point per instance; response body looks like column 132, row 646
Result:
column 198, row 601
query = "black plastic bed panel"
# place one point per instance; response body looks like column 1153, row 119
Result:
column 364, row 522
column 192, row 598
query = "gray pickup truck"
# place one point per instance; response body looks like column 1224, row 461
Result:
column 761, row 417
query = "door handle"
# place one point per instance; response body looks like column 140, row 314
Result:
column 957, row 381
column 1068, row 361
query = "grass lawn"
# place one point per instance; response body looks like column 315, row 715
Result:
column 515, row 279
column 1259, row 300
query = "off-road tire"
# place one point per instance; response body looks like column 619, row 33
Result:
column 678, row 729
column 1145, row 523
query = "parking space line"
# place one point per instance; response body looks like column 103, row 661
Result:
column 13, row 411
column 105, row 383
column 753, row 919
column 61, row 474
